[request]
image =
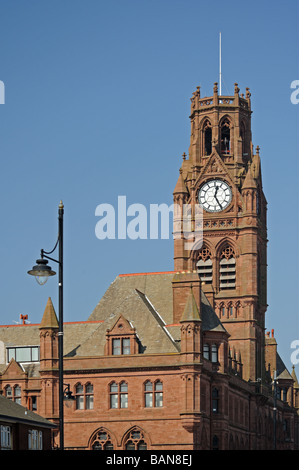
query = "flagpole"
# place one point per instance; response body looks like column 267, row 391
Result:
column 220, row 77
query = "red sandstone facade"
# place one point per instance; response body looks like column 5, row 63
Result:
column 177, row 360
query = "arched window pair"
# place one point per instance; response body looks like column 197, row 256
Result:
column 13, row 393
column 84, row 396
column 153, row 394
column 119, row 395
column 134, row 440
column 227, row 267
column 225, row 137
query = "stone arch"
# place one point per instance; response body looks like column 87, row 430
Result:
column 136, row 437
column 102, row 439
column 226, row 264
column 226, row 135
column 206, row 131
column 202, row 260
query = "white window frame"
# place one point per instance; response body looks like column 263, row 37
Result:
column 6, row 438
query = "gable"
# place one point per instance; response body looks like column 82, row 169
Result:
column 214, row 168
column 121, row 327
column 13, row 370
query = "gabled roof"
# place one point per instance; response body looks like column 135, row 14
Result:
column 136, row 308
column 153, row 318
column 145, row 300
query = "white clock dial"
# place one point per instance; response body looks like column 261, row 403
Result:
column 214, row 195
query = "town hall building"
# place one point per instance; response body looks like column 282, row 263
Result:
column 175, row 360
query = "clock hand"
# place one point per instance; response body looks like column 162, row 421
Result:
column 217, row 187
column 218, row 202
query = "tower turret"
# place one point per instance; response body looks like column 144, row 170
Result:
column 222, row 177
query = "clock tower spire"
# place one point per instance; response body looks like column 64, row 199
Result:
column 222, row 175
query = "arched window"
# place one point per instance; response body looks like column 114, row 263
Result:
column 8, row 392
column 14, row 393
column 227, row 268
column 101, row 441
column 135, row 441
column 242, row 135
column 207, row 138
column 17, row 394
column 84, row 397
column 225, row 137
column 204, row 265
column 79, row 394
column 89, row 396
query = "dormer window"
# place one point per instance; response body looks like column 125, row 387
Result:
column 120, row 346
column 121, row 339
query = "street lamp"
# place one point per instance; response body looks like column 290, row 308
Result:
column 42, row 272
column 274, row 408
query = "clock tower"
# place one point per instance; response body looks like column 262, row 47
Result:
column 222, row 177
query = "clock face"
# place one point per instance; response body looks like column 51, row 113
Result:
column 214, row 195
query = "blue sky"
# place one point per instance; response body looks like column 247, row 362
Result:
column 97, row 100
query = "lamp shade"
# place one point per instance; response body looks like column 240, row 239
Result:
column 41, row 271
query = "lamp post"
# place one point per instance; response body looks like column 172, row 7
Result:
column 274, row 409
column 42, row 272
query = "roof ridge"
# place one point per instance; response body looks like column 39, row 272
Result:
column 156, row 315
column 146, row 274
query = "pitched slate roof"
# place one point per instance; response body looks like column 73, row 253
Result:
column 145, row 300
column 13, row 412
column 153, row 319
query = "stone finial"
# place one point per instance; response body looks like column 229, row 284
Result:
column 216, row 87
column 237, row 89
column 248, row 94
column 257, row 149
column 184, row 156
